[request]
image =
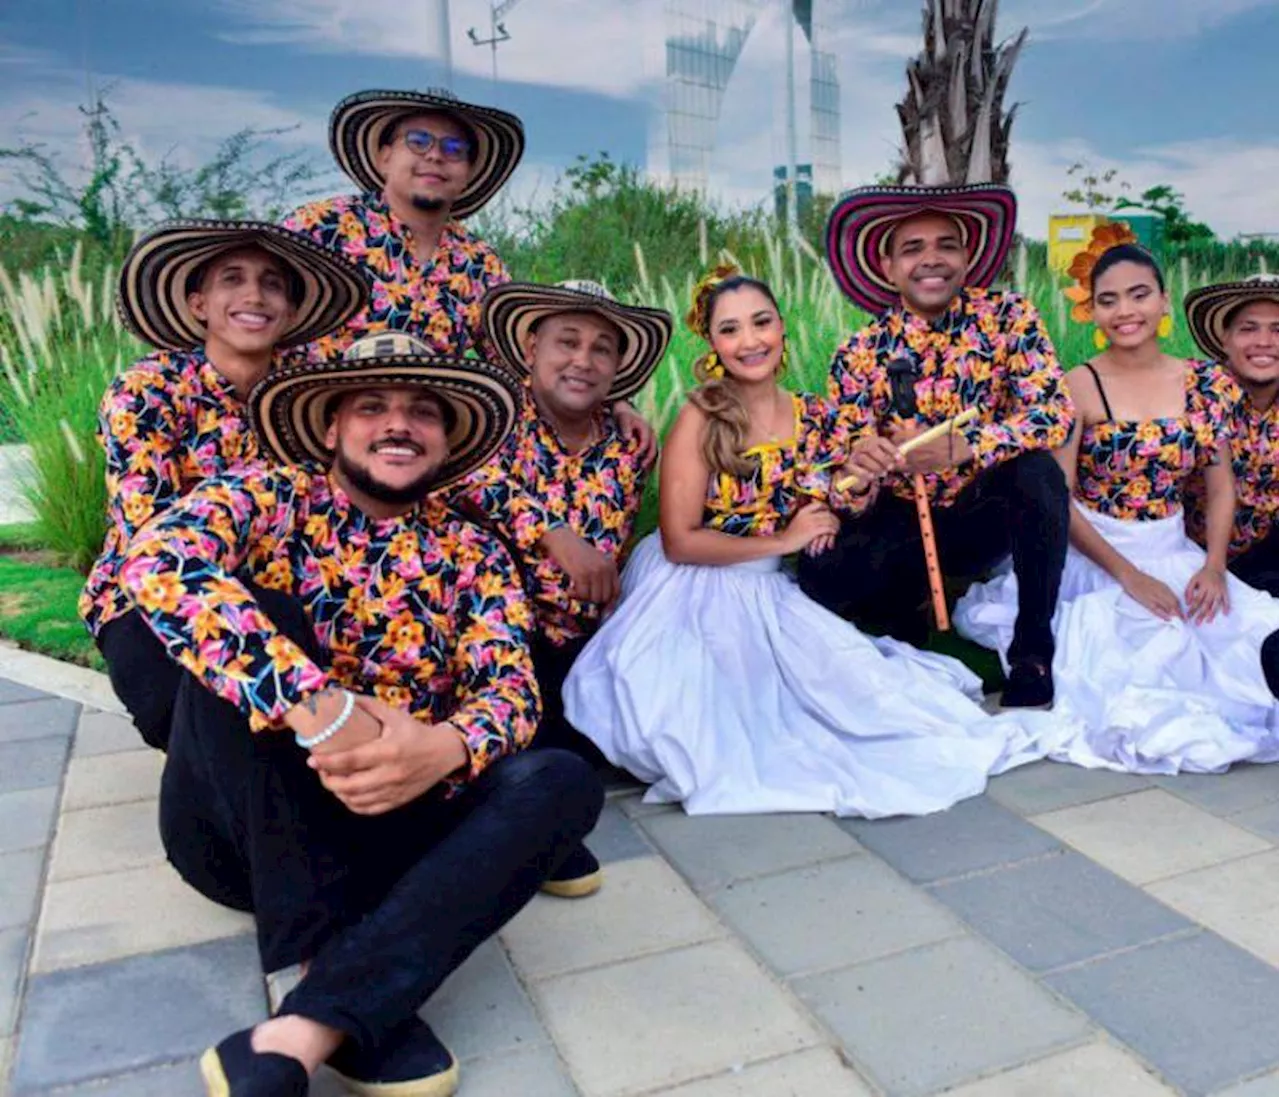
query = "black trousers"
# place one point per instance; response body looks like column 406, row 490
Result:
column 1258, row 565
column 551, row 664
column 142, row 675
column 875, row 575
column 382, row 907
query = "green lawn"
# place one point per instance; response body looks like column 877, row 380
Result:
column 38, row 608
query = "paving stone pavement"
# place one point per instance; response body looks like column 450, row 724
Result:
column 1072, row 933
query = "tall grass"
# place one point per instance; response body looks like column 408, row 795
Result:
column 59, row 348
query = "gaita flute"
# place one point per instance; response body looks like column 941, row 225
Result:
column 935, row 431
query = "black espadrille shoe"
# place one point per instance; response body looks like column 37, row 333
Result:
column 412, row 1064
column 234, row 1069
column 578, row 876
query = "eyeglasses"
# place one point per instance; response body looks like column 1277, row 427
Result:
column 421, row 142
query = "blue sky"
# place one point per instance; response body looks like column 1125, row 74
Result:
column 1178, row 91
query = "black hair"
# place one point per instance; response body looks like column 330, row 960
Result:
column 295, row 287
column 1125, row 253
column 388, row 133
column 1234, row 312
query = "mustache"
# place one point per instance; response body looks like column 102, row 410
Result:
column 398, row 440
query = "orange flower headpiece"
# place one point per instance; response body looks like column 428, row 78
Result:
column 1105, row 237
column 697, row 319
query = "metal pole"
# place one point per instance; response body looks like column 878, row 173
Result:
column 493, row 42
column 446, row 44
column 793, row 213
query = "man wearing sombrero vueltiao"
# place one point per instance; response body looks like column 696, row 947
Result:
column 424, row 161
column 346, row 752
column 1238, row 324
column 565, row 488
column 921, row 259
column 219, row 300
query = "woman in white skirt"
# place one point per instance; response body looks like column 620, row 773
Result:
column 716, row 679
column 1157, row 662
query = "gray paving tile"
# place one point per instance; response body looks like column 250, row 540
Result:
column 714, row 850
column 930, row 1018
column 11, row 692
column 1268, row 1085
column 1046, row 786
column 1199, row 1010
column 26, row 818
column 832, row 915
column 1264, row 821
column 13, row 963
column 1058, row 910
column 175, row 1080
column 19, row 886
column 104, row 733
column 533, row 1072
column 973, row 835
column 1240, row 788
column 51, row 718
column 482, row 1009
column 616, row 837
column 113, row 1018
column 32, row 763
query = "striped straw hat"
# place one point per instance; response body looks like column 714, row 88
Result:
column 862, row 220
column 511, row 311
column 291, row 407
column 1209, row 308
column 161, row 268
column 358, row 123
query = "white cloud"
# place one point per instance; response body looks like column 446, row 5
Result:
column 567, row 43
column 1229, row 184
column 1122, row 20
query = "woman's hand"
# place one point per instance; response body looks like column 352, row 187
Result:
column 1207, row 595
column 1151, row 594
column 811, row 526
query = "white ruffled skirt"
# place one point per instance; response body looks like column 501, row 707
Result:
column 730, row 690
column 1145, row 695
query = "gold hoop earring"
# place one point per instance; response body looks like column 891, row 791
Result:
column 713, row 367
column 1165, row 328
column 785, row 359
column 1099, row 339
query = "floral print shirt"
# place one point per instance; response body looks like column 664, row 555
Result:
column 168, row 422
column 423, row 611
column 438, row 301
column 787, row 472
column 1136, row 469
column 988, row 351
column 1255, row 453
column 533, row 485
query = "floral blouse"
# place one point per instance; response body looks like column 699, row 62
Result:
column 423, row 611
column 787, row 472
column 1136, row 469
column 988, row 351
column 534, row 485
column 439, row 301
column 1255, row 453
column 167, row 423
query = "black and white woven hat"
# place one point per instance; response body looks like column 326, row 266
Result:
column 358, row 123
column 1209, row 308
column 158, row 274
column 511, row 311
column 290, row 407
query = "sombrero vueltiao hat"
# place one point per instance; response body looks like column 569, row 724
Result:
column 861, row 221
column 289, row 406
column 511, row 311
column 1209, row 307
column 157, row 276
column 358, row 122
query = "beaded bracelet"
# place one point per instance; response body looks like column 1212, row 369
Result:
column 348, row 705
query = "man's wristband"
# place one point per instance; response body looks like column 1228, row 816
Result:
column 348, row 706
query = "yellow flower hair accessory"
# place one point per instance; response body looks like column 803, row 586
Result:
column 697, row 319
column 1105, row 237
